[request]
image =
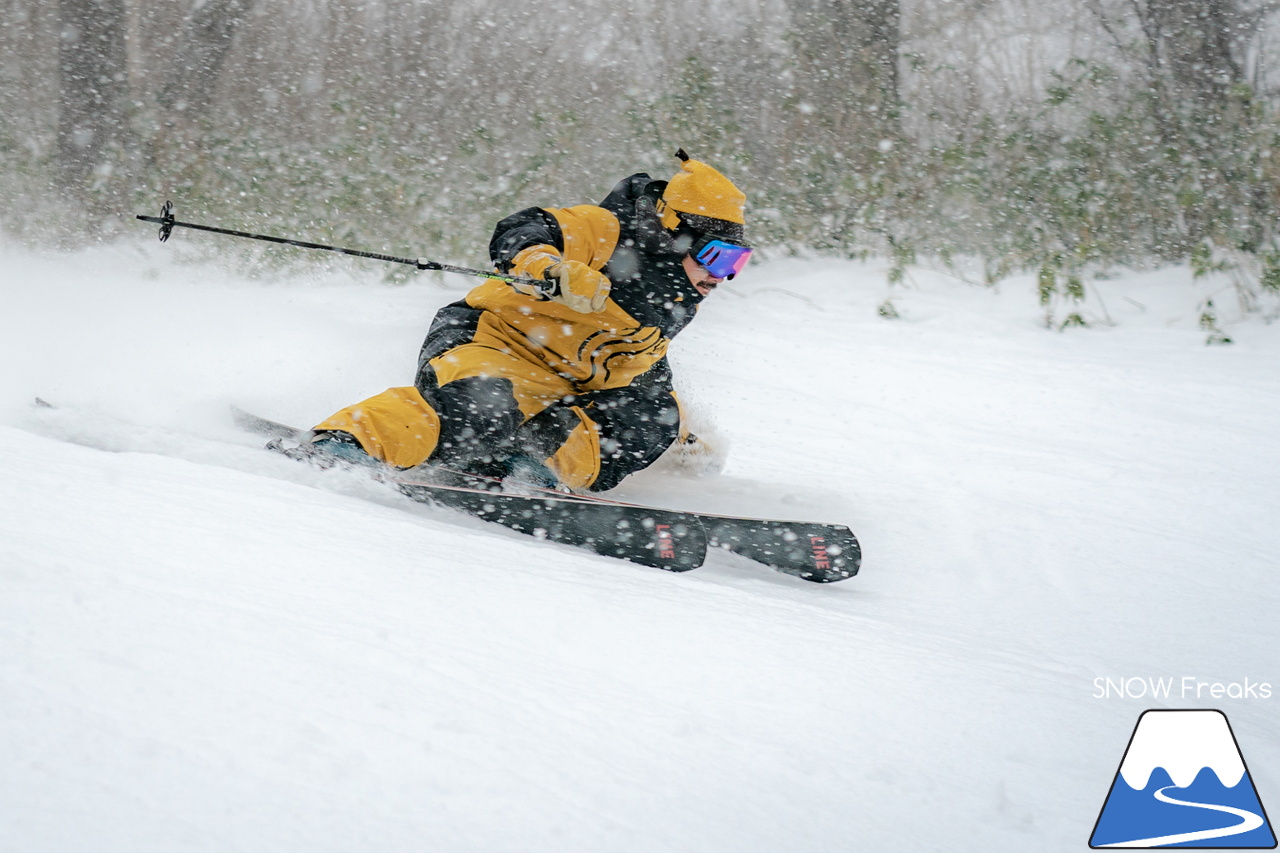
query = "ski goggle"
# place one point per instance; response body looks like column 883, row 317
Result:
column 721, row 259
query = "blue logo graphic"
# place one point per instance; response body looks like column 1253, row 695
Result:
column 1183, row 783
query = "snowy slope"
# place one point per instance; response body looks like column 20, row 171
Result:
column 204, row 647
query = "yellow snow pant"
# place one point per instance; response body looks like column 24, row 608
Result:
column 477, row 398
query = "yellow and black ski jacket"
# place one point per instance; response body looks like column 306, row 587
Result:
column 650, row 302
column 504, row 372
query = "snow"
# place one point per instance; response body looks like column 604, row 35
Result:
column 207, row 647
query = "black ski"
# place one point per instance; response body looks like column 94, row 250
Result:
column 664, row 539
column 817, row 552
column 249, row 422
column 812, row 551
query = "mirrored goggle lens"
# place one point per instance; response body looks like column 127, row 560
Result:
column 723, row 260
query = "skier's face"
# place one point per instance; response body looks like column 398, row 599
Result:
column 704, row 281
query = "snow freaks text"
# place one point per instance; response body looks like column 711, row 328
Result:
column 1185, row 687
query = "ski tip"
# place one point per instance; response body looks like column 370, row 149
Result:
column 241, row 416
column 836, row 560
column 813, row 552
column 250, row 422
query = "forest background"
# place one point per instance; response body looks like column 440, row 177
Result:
column 990, row 136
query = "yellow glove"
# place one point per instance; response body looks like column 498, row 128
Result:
column 571, row 283
column 578, row 286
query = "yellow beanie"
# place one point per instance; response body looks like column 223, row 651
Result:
column 700, row 190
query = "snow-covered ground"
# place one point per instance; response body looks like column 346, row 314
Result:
column 207, row 647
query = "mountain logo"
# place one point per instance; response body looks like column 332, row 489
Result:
column 1183, row 783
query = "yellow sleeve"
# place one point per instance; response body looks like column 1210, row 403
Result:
column 590, row 233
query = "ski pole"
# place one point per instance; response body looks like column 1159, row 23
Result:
column 168, row 223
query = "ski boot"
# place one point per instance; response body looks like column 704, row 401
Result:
column 328, row 449
column 514, row 473
column 523, row 471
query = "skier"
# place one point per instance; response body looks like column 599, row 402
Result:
column 565, row 384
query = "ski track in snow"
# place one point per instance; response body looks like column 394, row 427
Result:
column 205, row 647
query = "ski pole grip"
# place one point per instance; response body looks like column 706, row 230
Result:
column 165, row 219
